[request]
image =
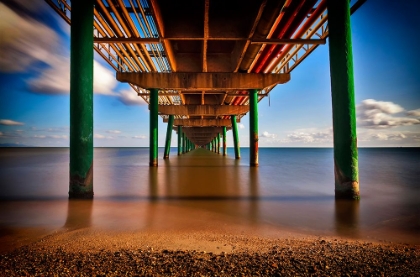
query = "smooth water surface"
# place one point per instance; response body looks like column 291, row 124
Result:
column 292, row 189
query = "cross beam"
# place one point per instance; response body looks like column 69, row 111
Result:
column 201, row 122
column 203, row 81
column 202, row 110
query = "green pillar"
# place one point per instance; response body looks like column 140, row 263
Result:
column 168, row 137
column 179, row 140
column 224, row 141
column 218, row 143
column 184, row 143
column 343, row 104
column 253, row 127
column 235, row 137
column 153, row 134
column 81, row 100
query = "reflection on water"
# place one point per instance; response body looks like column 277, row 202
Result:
column 347, row 217
column 203, row 190
column 79, row 214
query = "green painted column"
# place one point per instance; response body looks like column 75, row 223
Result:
column 179, row 140
column 153, row 134
column 224, row 141
column 168, row 137
column 343, row 104
column 235, row 137
column 218, row 143
column 81, row 100
column 184, row 143
column 253, row 127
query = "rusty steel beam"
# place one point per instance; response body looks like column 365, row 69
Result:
column 289, row 41
column 203, row 81
column 205, row 110
column 201, row 122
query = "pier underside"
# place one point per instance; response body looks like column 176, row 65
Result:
column 202, row 65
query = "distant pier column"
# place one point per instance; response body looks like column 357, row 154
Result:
column 153, row 142
column 235, row 137
column 218, row 143
column 224, row 141
column 81, row 101
column 184, row 143
column 179, row 140
column 253, row 127
column 343, row 105
column 168, row 136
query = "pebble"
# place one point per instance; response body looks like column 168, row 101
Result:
column 291, row 258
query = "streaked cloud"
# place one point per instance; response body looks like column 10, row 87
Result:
column 414, row 112
column 310, row 136
column 56, row 78
column 114, row 131
column 379, row 114
column 24, row 41
column 139, row 137
column 130, row 98
column 99, row 136
column 9, row 122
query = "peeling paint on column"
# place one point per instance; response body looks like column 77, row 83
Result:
column 81, row 187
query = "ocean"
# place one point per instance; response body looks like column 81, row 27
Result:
column 292, row 189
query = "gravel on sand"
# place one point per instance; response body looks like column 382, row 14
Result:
column 246, row 256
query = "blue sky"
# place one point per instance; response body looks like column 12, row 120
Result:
column 34, row 92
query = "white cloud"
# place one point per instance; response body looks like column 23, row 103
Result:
column 129, row 97
column 114, row 131
column 379, row 114
column 9, row 122
column 139, row 137
column 40, row 136
column 414, row 112
column 267, row 135
column 241, row 126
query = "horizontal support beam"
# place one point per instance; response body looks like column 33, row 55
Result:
column 126, row 40
column 202, row 110
column 203, row 81
column 201, row 122
column 289, row 41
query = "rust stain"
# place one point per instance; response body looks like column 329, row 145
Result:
column 83, row 182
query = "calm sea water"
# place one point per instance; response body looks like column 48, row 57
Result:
column 293, row 189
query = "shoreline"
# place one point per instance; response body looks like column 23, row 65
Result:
column 87, row 251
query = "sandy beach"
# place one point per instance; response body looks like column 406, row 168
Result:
column 95, row 252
